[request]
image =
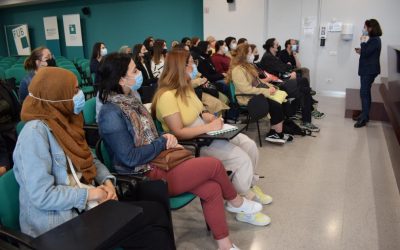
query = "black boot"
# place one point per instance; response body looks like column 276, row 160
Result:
column 360, row 123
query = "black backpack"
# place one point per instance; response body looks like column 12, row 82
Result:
column 290, row 127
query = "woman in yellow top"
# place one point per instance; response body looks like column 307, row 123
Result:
column 244, row 76
column 179, row 110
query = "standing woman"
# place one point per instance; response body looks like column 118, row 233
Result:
column 98, row 52
column 369, row 67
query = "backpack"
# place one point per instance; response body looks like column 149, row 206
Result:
column 290, row 127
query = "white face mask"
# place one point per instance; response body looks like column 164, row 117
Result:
column 226, row 50
column 233, row 45
column 250, row 58
column 294, row 47
column 103, row 51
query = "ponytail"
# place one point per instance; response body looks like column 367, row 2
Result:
column 30, row 62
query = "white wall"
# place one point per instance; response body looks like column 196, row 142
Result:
column 239, row 19
column 258, row 20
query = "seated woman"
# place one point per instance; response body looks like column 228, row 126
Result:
column 133, row 142
column 49, row 194
column 40, row 57
column 158, row 57
column 231, row 43
column 244, row 76
column 140, row 57
column 177, row 107
column 219, row 59
column 208, row 70
column 255, row 52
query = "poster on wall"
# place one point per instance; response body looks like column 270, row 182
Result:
column 18, row 42
column 51, row 28
column 72, row 30
column 52, row 35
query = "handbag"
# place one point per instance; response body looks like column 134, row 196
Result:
column 171, row 158
column 89, row 204
column 210, row 89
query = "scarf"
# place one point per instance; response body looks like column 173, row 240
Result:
column 51, row 83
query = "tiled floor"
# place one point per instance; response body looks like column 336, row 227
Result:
column 334, row 191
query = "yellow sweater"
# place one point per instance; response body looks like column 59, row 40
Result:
column 242, row 81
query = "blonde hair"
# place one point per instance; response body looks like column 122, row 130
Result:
column 174, row 77
column 239, row 58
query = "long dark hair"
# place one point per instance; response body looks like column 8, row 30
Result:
column 374, row 26
column 218, row 45
column 228, row 41
column 158, row 50
column 202, row 47
column 135, row 53
column 96, row 50
column 113, row 67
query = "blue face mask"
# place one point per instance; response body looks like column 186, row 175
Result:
column 138, row 82
column 79, row 102
column 365, row 32
column 194, row 72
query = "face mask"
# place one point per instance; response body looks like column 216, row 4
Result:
column 226, row 50
column 51, row 63
column 250, row 58
column 165, row 51
column 137, row 84
column 194, row 72
column 233, row 46
column 79, row 102
column 279, row 48
column 78, row 99
column 103, row 52
column 145, row 54
column 365, row 32
column 294, row 47
column 256, row 57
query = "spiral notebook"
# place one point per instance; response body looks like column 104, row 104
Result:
column 226, row 128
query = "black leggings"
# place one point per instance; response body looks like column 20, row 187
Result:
column 149, row 230
column 275, row 111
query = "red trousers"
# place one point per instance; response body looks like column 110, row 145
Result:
column 205, row 177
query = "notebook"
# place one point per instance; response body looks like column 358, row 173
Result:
column 226, row 128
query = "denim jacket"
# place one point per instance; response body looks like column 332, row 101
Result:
column 117, row 132
column 23, row 86
column 40, row 167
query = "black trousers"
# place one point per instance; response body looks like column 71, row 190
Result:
column 149, row 230
column 365, row 95
column 299, row 89
column 275, row 111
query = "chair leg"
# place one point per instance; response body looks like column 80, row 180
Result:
column 259, row 134
column 248, row 121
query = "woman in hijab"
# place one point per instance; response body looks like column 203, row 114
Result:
column 52, row 160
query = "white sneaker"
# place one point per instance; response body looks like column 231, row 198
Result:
column 247, row 207
column 257, row 219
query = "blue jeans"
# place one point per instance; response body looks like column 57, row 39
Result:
column 365, row 94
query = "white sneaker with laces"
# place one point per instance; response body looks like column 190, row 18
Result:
column 247, row 207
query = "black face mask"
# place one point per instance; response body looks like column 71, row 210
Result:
column 51, row 62
column 279, row 48
column 165, row 51
column 256, row 57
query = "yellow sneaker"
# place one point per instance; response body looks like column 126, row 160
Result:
column 260, row 196
column 257, row 219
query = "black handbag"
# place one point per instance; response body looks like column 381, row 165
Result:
column 211, row 89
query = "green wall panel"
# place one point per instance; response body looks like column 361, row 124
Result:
column 115, row 23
